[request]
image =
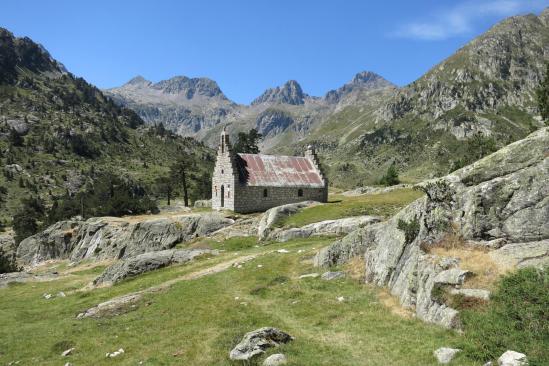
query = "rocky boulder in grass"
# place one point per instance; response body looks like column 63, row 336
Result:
column 148, row 262
column 329, row 276
column 256, row 342
column 19, row 126
column 445, row 355
column 202, row 203
column 273, row 215
column 275, row 360
column 512, row 358
column 328, row 227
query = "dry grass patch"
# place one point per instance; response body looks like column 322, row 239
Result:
column 472, row 258
column 393, row 304
column 355, row 268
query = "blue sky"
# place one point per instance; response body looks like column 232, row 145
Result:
column 248, row 46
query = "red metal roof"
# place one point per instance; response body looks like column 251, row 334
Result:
column 278, row 171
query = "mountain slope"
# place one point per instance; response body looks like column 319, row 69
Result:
column 479, row 99
column 56, row 129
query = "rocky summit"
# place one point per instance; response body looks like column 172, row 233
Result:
column 289, row 93
column 361, row 82
column 477, row 100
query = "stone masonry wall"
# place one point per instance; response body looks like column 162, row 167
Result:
column 251, row 199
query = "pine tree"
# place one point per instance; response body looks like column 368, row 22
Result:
column 391, row 176
column 182, row 171
column 247, row 143
column 164, row 186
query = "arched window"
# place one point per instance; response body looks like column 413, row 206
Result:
column 265, row 193
column 222, row 144
column 300, row 192
column 222, row 171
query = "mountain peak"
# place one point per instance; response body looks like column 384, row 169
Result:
column 138, row 80
column 366, row 77
column 365, row 80
column 190, row 87
column 289, row 93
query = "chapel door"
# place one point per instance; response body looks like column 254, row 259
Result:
column 222, row 196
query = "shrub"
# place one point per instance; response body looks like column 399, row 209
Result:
column 15, row 139
column 391, row 177
column 516, row 318
column 411, row 229
column 7, row 263
column 27, row 220
column 83, row 146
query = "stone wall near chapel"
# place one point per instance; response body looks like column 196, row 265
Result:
column 252, row 199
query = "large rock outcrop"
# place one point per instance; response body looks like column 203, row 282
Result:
column 503, row 198
column 272, row 216
column 114, row 238
column 327, row 227
column 147, row 262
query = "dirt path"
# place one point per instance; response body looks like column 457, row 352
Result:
column 124, row 303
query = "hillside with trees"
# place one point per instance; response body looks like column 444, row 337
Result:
column 66, row 149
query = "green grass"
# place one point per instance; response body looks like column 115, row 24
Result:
column 197, row 322
column 230, row 245
column 339, row 206
column 516, row 318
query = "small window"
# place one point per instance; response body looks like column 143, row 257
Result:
column 265, row 193
column 215, row 189
column 300, row 192
column 222, row 171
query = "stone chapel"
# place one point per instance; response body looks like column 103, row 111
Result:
column 256, row 182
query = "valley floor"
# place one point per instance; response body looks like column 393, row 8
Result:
column 204, row 313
